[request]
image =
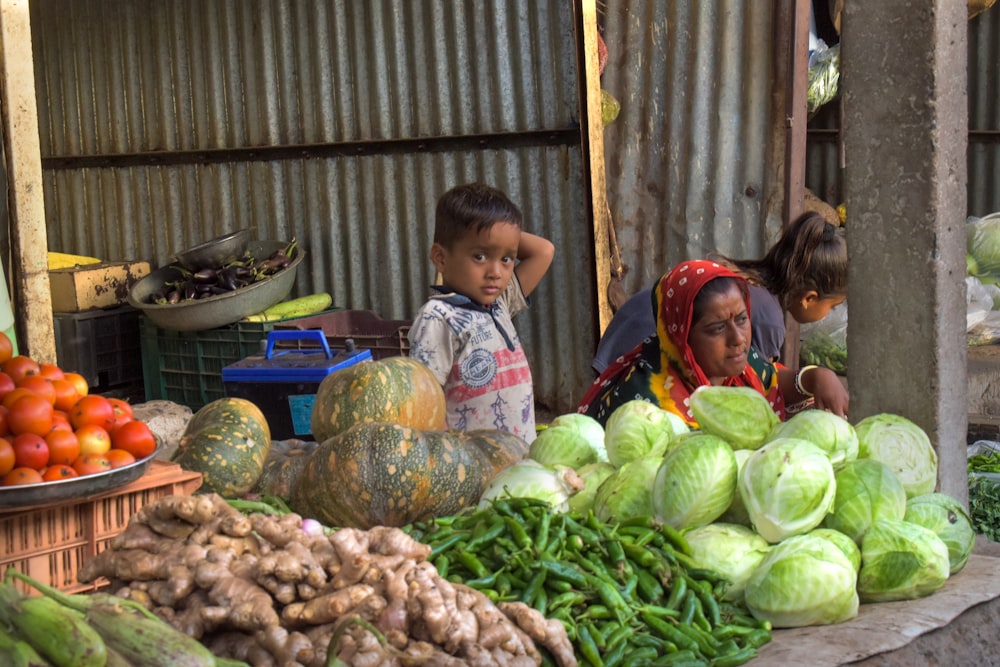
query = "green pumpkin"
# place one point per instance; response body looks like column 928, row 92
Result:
column 388, row 474
column 395, row 389
column 227, row 441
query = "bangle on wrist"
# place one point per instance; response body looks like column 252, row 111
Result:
column 798, row 380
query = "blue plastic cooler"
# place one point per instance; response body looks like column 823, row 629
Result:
column 282, row 382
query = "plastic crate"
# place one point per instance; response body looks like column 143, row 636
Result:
column 385, row 338
column 102, row 346
column 51, row 542
column 186, row 366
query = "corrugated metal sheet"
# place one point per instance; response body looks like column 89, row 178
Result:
column 687, row 157
column 984, row 113
column 167, row 123
column 823, row 170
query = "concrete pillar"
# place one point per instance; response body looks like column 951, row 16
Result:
column 905, row 133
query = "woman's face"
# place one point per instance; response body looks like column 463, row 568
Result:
column 720, row 339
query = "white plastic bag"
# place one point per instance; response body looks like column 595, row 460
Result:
column 824, row 343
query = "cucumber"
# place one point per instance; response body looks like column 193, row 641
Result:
column 300, row 307
column 57, row 632
column 15, row 652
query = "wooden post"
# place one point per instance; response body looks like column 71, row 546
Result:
column 29, row 244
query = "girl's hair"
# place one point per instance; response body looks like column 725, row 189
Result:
column 811, row 255
column 713, row 288
column 471, row 207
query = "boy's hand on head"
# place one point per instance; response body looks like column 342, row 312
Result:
column 534, row 255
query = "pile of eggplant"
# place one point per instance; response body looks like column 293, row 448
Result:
column 222, row 279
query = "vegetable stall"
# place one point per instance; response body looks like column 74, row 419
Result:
column 391, row 540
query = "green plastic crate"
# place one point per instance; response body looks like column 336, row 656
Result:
column 186, row 366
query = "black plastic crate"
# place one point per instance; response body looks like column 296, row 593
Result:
column 103, row 346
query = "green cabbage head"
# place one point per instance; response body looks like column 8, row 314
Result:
column 788, row 487
column 628, row 492
column 739, row 415
column 867, row 490
column 832, row 433
column 948, row 519
column 637, row 428
column 593, row 475
column 695, row 482
column 903, row 446
column 804, row 580
column 901, row 561
column 562, row 445
column 737, row 511
column 586, row 426
column 732, row 550
column 843, row 542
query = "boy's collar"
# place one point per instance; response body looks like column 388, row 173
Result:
column 456, row 299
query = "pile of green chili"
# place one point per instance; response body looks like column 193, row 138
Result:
column 628, row 593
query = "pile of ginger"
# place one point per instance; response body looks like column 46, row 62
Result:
column 259, row 588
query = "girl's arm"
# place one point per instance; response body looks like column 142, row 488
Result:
column 534, row 255
column 827, row 389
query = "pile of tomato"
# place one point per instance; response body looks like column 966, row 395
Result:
column 52, row 427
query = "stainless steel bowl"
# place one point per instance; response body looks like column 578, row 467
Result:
column 216, row 311
column 215, row 253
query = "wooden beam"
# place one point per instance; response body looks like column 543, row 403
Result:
column 26, row 203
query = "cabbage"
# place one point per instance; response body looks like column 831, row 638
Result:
column 562, row 445
column 787, row 487
column 804, row 580
column 737, row 511
column 983, row 243
column 831, row 432
column 593, row 475
column 739, row 415
column 901, row 561
column 626, row 493
column 843, row 542
column 530, row 479
column 695, row 483
column 903, row 446
column 947, row 517
column 731, row 550
column 586, row 426
column 866, row 492
column 637, row 428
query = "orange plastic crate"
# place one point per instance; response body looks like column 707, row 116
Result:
column 50, row 543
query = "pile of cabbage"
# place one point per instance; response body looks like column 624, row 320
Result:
column 805, row 518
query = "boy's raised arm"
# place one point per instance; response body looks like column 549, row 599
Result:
column 534, row 255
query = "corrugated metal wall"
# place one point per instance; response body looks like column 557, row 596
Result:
column 164, row 124
column 687, row 158
column 823, row 171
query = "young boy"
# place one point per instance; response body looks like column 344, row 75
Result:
column 464, row 333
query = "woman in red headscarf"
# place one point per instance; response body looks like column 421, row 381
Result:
column 703, row 338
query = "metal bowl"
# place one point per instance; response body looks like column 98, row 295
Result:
column 215, row 253
column 220, row 310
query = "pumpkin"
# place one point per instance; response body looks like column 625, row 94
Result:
column 395, row 389
column 227, row 441
column 388, row 474
column 283, row 466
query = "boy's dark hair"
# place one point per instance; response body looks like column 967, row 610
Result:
column 810, row 255
column 471, row 207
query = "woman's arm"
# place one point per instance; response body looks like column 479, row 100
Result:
column 822, row 383
column 534, row 255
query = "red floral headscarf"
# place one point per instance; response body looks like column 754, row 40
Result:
column 663, row 369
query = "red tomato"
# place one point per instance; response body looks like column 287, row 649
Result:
column 22, row 476
column 135, row 437
column 40, row 386
column 54, row 473
column 119, row 458
column 93, row 439
column 6, row 347
column 80, row 382
column 92, row 409
column 20, row 367
column 4, row 428
column 51, row 372
column 6, row 383
column 66, row 394
column 30, row 414
column 64, row 446
column 7, row 459
column 89, row 464
column 123, row 410
column 30, row 451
